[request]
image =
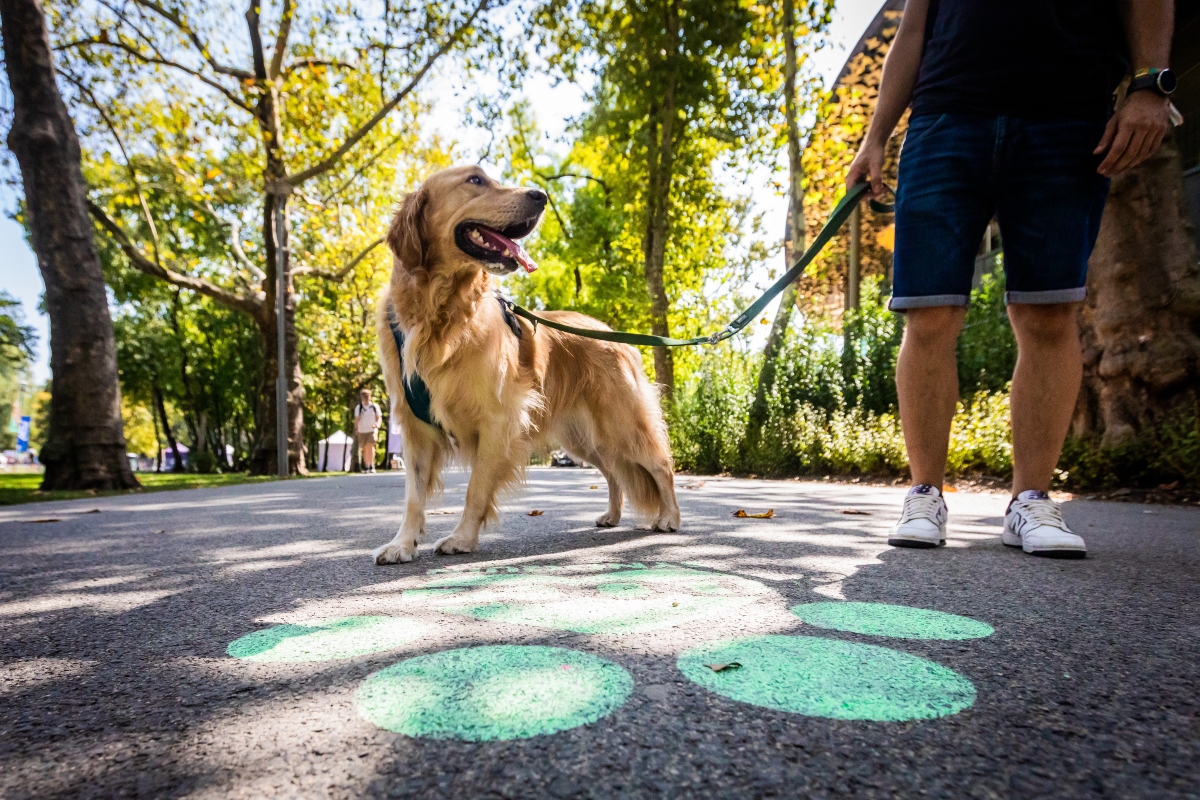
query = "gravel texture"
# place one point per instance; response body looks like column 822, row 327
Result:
column 121, row 631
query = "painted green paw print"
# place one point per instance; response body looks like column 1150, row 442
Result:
column 510, row 692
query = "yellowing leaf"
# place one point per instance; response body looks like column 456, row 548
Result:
column 741, row 514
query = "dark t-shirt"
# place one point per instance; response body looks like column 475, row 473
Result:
column 1032, row 58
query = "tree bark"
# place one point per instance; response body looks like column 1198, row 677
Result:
column 85, row 445
column 161, row 407
column 1141, row 321
column 661, row 167
column 795, row 239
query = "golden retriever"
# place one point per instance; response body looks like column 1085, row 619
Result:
column 496, row 397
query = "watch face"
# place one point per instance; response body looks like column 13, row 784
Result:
column 1167, row 81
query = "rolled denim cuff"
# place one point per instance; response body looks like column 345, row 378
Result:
column 901, row 304
column 1047, row 297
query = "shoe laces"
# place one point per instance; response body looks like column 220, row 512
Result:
column 921, row 506
column 1042, row 513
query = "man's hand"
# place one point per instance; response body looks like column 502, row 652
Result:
column 1134, row 133
column 867, row 166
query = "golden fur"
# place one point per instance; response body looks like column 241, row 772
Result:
column 499, row 398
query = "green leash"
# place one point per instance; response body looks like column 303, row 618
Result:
column 837, row 218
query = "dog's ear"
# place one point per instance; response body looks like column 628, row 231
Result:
column 407, row 234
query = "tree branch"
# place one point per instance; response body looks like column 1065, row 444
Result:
column 137, row 186
column 281, row 38
column 354, row 138
column 364, row 167
column 175, row 19
column 346, row 268
column 260, row 63
column 249, row 305
column 561, row 175
column 133, row 51
column 319, row 62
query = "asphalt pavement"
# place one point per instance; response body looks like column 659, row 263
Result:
column 239, row 642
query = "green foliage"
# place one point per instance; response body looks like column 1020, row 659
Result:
column 205, row 463
column 1169, row 454
column 16, row 350
column 833, row 406
column 987, row 350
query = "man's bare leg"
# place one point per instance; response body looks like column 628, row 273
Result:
column 927, row 387
column 1044, row 389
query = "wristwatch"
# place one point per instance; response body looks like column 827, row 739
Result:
column 1160, row 81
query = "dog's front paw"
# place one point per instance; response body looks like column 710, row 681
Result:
column 608, row 520
column 666, row 523
column 393, row 553
column 450, row 545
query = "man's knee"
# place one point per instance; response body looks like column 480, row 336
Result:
column 1044, row 324
column 936, row 325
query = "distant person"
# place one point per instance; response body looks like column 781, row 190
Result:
column 367, row 419
column 1012, row 117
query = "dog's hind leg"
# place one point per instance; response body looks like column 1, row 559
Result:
column 616, row 499
column 423, row 456
column 668, row 515
column 495, row 465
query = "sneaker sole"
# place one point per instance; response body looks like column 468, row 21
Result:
column 1056, row 552
column 1009, row 540
column 917, row 544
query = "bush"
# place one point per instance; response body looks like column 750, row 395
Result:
column 205, row 463
column 1168, row 455
column 833, row 408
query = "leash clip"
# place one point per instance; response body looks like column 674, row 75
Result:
column 715, row 338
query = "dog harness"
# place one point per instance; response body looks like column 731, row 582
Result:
column 416, row 392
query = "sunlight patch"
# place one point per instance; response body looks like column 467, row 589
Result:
column 481, row 694
column 590, row 598
column 881, row 619
column 828, row 678
column 326, row 639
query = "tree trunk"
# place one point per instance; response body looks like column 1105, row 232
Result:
column 795, row 239
column 1141, row 321
column 85, row 445
column 166, row 423
column 263, row 460
column 661, row 167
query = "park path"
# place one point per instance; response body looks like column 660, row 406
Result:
column 238, row 642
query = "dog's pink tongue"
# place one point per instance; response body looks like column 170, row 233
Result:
column 512, row 248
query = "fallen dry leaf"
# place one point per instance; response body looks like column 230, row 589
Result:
column 93, row 511
column 741, row 514
column 536, row 513
column 856, row 511
column 674, row 604
column 695, row 485
column 724, row 667
column 593, row 487
column 948, row 489
column 44, row 519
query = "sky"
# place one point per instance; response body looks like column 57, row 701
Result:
column 554, row 108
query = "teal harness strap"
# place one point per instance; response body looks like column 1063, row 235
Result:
column 416, row 393
column 837, row 217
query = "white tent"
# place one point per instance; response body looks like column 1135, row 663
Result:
column 334, row 454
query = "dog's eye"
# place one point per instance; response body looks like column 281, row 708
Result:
column 475, row 179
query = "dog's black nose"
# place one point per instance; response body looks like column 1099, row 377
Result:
column 537, row 196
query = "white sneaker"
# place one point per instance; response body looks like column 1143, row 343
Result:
column 923, row 522
column 1034, row 523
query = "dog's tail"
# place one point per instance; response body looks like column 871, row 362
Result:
column 639, row 488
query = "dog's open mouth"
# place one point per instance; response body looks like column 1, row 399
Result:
column 497, row 246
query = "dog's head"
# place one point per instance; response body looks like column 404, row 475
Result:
column 462, row 219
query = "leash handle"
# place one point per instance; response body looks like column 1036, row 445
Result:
column 841, row 212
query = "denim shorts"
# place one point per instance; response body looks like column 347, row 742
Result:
column 1037, row 177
